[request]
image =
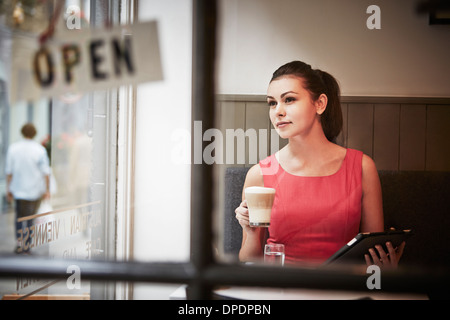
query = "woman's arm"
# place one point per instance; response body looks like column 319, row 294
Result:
column 371, row 203
column 372, row 217
column 252, row 238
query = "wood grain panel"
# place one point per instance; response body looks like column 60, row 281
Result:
column 257, row 127
column 412, row 137
column 386, row 136
column 438, row 138
column 342, row 139
column 232, row 117
column 360, row 127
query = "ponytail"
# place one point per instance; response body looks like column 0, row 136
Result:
column 318, row 82
column 331, row 119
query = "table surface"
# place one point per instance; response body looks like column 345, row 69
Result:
column 255, row 293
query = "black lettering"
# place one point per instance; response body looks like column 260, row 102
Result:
column 96, row 60
column 71, row 55
column 20, row 240
column 122, row 52
column 43, row 55
column 26, row 245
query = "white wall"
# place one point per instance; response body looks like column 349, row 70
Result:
column 406, row 57
column 162, row 198
column 162, row 186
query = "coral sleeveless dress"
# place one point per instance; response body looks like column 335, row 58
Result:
column 314, row 216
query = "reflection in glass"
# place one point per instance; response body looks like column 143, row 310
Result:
column 73, row 128
column 71, row 152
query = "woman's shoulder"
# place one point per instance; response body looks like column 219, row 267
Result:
column 368, row 165
column 365, row 160
column 354, row 152
column 365, row 163
column 254, row 176
column 267, row 161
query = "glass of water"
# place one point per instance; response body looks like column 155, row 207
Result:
column 274, row 254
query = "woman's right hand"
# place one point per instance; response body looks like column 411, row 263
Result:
column 252, row 238
column 242, row 215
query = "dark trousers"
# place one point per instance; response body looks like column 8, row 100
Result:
column 24, row 208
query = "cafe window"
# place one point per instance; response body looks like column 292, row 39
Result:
column 114, row 195
column 144, row 151
column 79, row 132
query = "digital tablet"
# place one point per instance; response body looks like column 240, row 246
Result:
column 355, row 249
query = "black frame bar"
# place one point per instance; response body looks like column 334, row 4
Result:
column 203, row 89
column 202, row 280
column 203, row 273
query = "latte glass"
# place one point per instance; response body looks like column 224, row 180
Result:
column 259, row 202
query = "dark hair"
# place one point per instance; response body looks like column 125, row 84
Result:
column 28, row 131
column 318, row 82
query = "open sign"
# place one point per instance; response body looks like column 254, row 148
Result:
column 86, row 60
column 44, row 66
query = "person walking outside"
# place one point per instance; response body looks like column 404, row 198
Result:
column 28, row 181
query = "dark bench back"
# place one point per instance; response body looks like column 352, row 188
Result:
column 419, row 200
column 234, row 182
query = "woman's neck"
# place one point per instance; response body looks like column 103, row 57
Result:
column 312, row 156
column 309, row 146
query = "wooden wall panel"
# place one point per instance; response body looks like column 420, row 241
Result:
column 398, row 133
column 386, row 136
column 231, row 116
column 257, row 118
column 360, row 127
column 438, row 138
column 342, row 139
column 412, row 137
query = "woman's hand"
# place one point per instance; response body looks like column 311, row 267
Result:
column 242, row 215
column 252, row 238
column 386, row 261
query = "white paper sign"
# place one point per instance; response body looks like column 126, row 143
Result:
column 85, row 60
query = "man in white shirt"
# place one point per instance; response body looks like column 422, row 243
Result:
column 28, row 172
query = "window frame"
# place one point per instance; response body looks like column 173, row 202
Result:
column 203, row 272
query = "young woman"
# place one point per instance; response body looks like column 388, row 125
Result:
column 325, row 194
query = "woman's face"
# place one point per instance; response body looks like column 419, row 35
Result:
column 292, row 110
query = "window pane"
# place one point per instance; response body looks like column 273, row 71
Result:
column 163, row 129
column 75, row 135
column 85, row 135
